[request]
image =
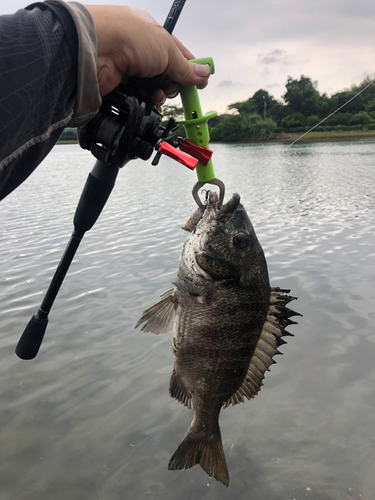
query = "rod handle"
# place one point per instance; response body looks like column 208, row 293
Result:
column 98, row 187
column 31, row 339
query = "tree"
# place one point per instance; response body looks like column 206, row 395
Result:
column 69, row 134
column 244, row 107
column 301, row 96
column 261, row 98
column 355, row 106
column 171, row 110
column 243, row 127
column 176, row 112
column 369, row 94
column 293, row 120
column 212, row 122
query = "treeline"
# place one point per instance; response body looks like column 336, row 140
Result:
column 302, row 107
column 68, row 135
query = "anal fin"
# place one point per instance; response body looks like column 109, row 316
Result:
column 178, row 391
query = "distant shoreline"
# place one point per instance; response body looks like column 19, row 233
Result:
column 290, row 137
column 349, row 134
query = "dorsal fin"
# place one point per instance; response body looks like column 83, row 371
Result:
column 269, row 340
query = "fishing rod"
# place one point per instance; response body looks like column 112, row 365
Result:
column 127, row 127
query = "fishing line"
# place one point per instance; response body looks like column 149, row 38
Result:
column 326, row 118
column 329, row 116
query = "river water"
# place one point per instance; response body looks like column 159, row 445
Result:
column 90, row 417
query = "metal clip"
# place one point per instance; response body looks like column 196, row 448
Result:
column 199, row 185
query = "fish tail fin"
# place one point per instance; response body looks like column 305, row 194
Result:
column 205, row 450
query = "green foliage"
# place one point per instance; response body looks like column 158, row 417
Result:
column 69, row 134
column 171, row 110
column 361, row 118
column 255, row 104
column 176, row 112
column 262, row 100
column 278, row 112
column 294, row 120
column 303, row 108
column 212, row 122
column 354, row 106
column 312, row 120
column 370, row 106
column 243, row 127
column 245, row 107
column 301, row 96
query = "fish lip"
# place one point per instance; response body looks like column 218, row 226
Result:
column 226, row 212
column 206, row 275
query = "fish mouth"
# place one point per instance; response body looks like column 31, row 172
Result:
column 213, row 267
column 225, row 212
column 199, row 270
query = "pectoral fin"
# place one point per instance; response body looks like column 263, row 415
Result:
column 158, row 318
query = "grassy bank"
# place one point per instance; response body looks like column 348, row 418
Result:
column 349, row 134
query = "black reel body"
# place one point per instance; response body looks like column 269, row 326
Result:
column 125, row 129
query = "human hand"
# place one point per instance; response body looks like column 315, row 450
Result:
column 131, row 43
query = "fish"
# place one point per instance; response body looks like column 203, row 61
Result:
column 227, row 325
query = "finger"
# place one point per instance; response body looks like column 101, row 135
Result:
column 202, row 85
column 188, row 55
column 185, row 52
column 158, row 97
column 182, row 71
column 171, row 89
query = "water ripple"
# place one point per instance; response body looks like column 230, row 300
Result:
column 91, row 415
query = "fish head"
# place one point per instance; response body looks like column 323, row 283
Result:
column 225, row 246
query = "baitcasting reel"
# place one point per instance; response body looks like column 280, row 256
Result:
column 127, row 128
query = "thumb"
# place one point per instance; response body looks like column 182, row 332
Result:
column 182, row 71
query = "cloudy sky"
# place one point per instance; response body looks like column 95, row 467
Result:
column 259, row 43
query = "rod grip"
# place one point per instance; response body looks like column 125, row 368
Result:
column 31, row 339
column 93, row 198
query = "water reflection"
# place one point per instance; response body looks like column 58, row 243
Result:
column 91, row 415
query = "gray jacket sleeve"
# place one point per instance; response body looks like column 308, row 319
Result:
column 88, row 98
column 48, row 81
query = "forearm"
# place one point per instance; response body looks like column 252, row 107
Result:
column 57, row 60
column 42, row 85
column 88, row 99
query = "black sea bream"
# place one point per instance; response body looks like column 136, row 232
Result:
column 227, row 325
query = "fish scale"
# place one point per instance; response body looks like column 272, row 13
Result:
column 227, row 324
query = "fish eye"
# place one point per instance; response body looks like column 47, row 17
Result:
column 240, row 240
